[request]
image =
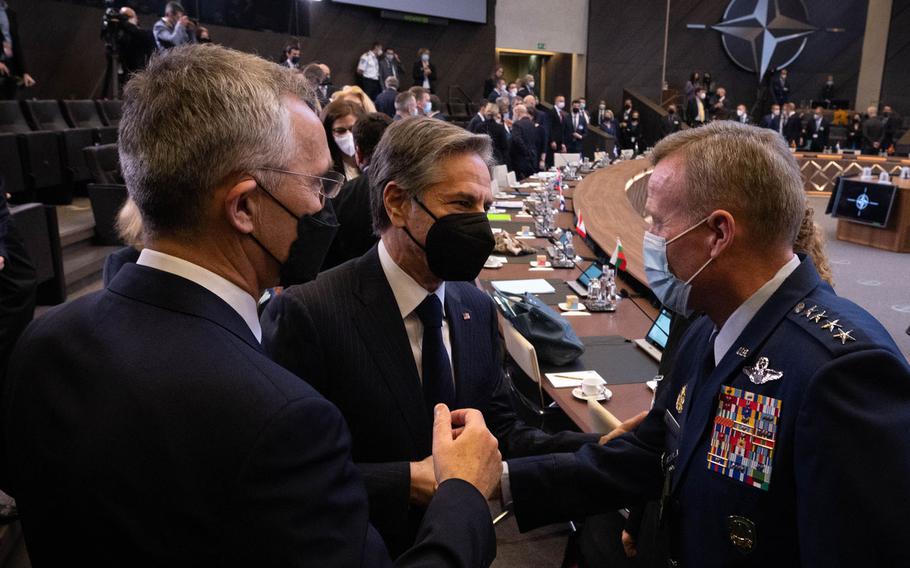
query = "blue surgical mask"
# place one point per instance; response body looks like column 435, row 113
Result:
column 427, row 107
column 670, row 290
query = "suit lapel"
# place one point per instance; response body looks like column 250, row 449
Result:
column 382, row 330
column 704, row 400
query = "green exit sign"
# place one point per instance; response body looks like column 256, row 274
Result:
column 541, row 45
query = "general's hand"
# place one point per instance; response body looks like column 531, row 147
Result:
column 4, row 70
column 563, row 148
column 627, row 426
column 628, row 544
column 577, row 135
column 28, row 81
column 473, row 456
column 423, row 482
column 553, row 145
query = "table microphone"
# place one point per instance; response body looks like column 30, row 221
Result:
column 623, row 293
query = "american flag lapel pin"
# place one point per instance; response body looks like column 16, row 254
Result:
column 466, row 316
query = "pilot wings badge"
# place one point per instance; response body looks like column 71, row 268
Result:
column 760, row 373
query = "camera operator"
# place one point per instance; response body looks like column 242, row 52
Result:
column 135, row 44
column 175, row 28
column 12, row 62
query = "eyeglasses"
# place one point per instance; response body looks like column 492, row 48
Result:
column 331, row 182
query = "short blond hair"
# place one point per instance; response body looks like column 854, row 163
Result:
column 746, row 170
column 129, row 225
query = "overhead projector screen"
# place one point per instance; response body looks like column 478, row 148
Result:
column 468, row 10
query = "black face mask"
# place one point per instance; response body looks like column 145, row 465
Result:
column 295, row 60
column 315, row 234
column 671, row 111
column 457, row 245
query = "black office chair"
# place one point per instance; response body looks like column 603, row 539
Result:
column 40, row 156
column 84, row 114
column 110, row 111
column 47, row 115
column 106, row 199
column 104, row 163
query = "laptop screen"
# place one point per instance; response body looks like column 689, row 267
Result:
column 590, row 273
column 660, row 329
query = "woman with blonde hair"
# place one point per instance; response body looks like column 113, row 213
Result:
column 811, row 241
column 356, row 95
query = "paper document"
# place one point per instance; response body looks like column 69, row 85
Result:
column 571, row 378
column 508, row 204
column 535, row 286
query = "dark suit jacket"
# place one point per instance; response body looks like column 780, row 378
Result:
column 781, row 91
column 355, row 234
column 840, row 443
column 670, row 124
column 771, row 122
column 17, row 63
column 475, row 123
column 873, row 131
column 525, row 148
column 692, row 112
column 385, row 102
column 817, row 137
column 417, row 74
column 386, row 70
column 560, row 130
column 574, row 144
column 499, row 136
column 345, row 333
column 793, row 129
column 117, row 260
column 159, row 423
column 525, row 91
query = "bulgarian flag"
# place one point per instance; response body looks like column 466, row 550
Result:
column 618, row 259
column 580, row 226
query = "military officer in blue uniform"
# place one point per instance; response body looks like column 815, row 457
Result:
column 783, row 438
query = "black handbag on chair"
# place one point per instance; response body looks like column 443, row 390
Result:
column 553, row 338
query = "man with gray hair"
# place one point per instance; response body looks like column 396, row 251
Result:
column 782, row 437
column 174, row 29
column 144, row 424
column 385, row 102
column 405, row 106
column 392, row 333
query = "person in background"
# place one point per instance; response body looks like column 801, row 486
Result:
column 390, row 66
column 891, row 121
column 873, row 132
column 626, row 110
column 477, row 120
column 327, row 88
column 18, row 284
column 579, row 125
column 12, row 60
column 855, row 133
column 499, row 90
column 315, row 77
column 436, row 109
column 134, row 45
column 583, row 106
column 175, row 28
column 356, row 95
column 780, row 87
column 720, row 105
column 527, row 85
column 698, row 109
column 159, row 407
column 631, row 134
column 828, row 92
column 424, row 71
column 129, row 228
column 505, row 112
column 352, row 206
column 600, row 114
column 817, row 130
column 385, row 102
column 742, row 114
column 405, row 106
column 561, row 126
column 708, row 83
column 692, row 85
column 524, row 148
column 492, row 81
column 773, row 121
column 338, row 120
column 202, row 35
column 608, row 124
column 495, row 130
column 670, row 123
column 793, row 126
column 291, row 56
column 368, row 71
column 422, row 98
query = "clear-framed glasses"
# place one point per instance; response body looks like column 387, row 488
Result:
column 331, row 182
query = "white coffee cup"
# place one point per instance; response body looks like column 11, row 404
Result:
column 592, row 386
column 572, row 302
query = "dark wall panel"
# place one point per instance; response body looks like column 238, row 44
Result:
column 625, row 48
column 66, row 56
column 896, row 81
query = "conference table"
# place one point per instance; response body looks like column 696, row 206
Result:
column 606, row 199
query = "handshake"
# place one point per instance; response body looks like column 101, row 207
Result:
column 463, row 449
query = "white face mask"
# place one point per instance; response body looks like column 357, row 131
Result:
column 531, row 84
column 425, row 57
column 345, row 143
column 560, row 105
column 513, row 92
column 740, row 112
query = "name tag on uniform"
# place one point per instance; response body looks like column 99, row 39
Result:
column 743, row 436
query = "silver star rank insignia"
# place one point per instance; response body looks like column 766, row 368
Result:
column 810, row 311
column 760, row 373
column 799, row 307
column 844, row 335
column 831, row 324
column 819, row 316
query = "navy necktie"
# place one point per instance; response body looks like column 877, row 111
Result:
column 437, row 371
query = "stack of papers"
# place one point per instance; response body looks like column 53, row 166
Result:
column 519, row 287
column 571, row 378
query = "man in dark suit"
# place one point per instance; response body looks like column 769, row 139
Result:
column 385, row 102
column 891, row 121
column 560, row 126
column 770, row 393
column 178, row 438
column 780, row 87
column 579, row 126
column 527, row 86
column 388, row 335
column 742, row 115
column 670, row 123
column 352, row 206
column 525, row 147
column 18, row 284
column 390, row 66
column 873, row 132
column 721, row 108
column 474, row 125
column 773, row 121
column 697, row 111
column 817, row 130
column 792, row 126
column 499, row 91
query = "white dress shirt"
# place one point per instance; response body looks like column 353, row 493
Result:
column 408, row 295
column 741, row 317
column 369, row 65
column 233, row 295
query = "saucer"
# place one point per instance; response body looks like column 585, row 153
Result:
column 565, row 307
column 605, row 394
column 492, row 264
column 535, row 265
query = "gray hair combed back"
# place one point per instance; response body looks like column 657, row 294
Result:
column 411, row 153
column 744, row 169
column 196, row 115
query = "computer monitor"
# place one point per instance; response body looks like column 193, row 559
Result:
column 660, row 329
column 863, row 201
column 590, row 273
